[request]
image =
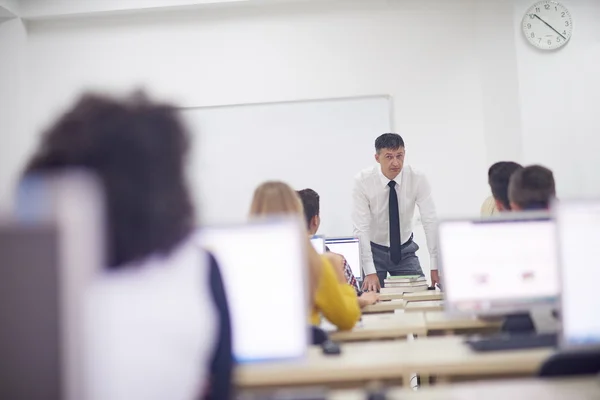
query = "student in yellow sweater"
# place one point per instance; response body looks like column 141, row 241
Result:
column 332, row 296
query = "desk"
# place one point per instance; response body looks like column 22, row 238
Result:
column 423, row 296
column 390, row 296
column 559, row 389
column 424, row 306
column 449, row 324
column 383, row 326
column 384, row 306
column 393, row 361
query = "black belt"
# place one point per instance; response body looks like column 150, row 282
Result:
column 386, row 248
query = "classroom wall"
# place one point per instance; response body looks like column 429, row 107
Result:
column 467, row 89
column 559, row 93
column 14, row 141
column 424, row 54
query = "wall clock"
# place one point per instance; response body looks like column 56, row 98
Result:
column 548, row 25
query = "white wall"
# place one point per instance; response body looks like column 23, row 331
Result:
column 15, row 143
column 424, row 54
column 559, row 94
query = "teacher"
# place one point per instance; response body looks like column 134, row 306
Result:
column 384, row 198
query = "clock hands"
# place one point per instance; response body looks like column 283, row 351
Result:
column 549, row 26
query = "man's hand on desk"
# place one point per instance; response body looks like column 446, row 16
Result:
column 368, row 298
column 435, row 277
column 371, row 283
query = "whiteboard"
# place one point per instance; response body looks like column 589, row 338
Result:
column 319, row 144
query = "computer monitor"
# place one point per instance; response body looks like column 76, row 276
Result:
column 31, row 360
column 499, row 266
column 578, row 226
column 73, row 201
column 318, row 243
column 264, row 271
column 349, row 247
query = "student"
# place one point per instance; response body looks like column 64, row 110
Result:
column 488, row 208
column 498, row 178
column 333, row 297
column 165, row 328
column 310, row 202
column 531, row 188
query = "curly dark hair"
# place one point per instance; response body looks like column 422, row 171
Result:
column 138, row 150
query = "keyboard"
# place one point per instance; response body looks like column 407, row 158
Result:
column 512, row 342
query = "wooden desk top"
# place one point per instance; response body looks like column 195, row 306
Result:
column 390, row 296
column 384, row 306
column 424, row 306
column 563, row 389
column 368, row 361
column 383, row 326
column 440, row 321
column 424, row 296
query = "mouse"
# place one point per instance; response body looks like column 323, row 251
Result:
column 331, row 348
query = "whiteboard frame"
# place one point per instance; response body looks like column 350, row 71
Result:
column 387, row 97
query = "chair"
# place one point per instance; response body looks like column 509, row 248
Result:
column 571, row 364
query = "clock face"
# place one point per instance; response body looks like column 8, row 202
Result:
column 548, row 25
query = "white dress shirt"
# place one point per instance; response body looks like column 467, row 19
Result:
column 151, row 329
column 370, row 211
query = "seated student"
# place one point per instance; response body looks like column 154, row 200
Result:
column 333, row 297
column 160, row 305
column 488, row 208
column 499, row 177
column 310, row 202
column 531, row 188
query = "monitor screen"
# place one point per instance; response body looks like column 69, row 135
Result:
column 498, row 266
column 349, row 247
column 579, row 235
column 264, row 272
column 318, row 243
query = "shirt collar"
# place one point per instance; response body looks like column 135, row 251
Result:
column 385, row 180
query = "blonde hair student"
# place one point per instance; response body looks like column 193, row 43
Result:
column 332, row 296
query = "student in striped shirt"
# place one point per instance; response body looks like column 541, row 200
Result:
column 311, row 203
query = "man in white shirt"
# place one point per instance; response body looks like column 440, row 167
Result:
column 384, row 199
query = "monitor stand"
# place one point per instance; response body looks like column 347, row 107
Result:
column 520, row 323
column 517, row 332
column 571, row 363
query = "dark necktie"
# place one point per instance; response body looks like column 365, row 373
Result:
column 395, row 243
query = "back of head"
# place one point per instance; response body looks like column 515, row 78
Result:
column 310, row 203
column 274, row 198
column 499, row 177
column 532, row 188
column 137, row 149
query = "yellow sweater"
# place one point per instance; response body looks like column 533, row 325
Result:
column 336, row 301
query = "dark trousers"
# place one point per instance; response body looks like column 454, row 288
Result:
column 408, row 265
